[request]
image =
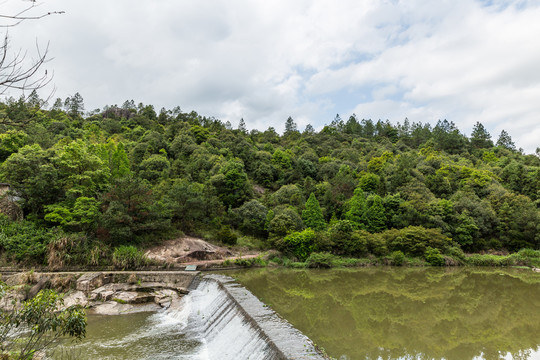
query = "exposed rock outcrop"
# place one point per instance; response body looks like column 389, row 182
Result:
column 110, row 293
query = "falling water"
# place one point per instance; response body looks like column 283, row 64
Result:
column 211, row 322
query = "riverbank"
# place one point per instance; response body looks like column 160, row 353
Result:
column 107, row 293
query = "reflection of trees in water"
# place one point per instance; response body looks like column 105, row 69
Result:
column 399, row 312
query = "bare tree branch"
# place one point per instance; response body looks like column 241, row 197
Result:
column 15, row 71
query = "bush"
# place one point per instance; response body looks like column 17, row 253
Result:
column 488, row 260
column 376, row 244
column 415, row 240
column 226, row 235
column 128, row 257
column 321, row 260
column 23, row 241
column 433, row 257
column 398, row 257
column 346, row 240
column 300, row 244
column 40, row 323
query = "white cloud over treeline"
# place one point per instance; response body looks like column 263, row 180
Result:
column 462, row 60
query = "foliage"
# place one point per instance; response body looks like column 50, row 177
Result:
column 398, row 257
column 433, row 256
column 312, row 214
column 226, row 235
column 301, row 244
column 321, row 260
column 128, row 176
column 128, row 257
column 38, row 325
column 131, row 212
column 25, row 241
column 415, row 240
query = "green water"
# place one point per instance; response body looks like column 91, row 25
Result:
column 408, row 313
column 143, row 335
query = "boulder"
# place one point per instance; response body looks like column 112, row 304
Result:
column 75, row 298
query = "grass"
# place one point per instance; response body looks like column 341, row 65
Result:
column 524, row 257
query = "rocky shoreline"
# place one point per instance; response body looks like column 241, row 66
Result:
column 104, row 293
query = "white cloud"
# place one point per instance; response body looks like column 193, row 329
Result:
column 463, row 60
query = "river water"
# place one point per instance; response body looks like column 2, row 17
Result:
column 408, row 313
column 363, row 313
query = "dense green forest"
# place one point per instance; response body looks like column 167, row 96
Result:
column 89, row 183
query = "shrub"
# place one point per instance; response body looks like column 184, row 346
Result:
column 433, row 256
column 347, row 241
column 128, row 257
column 415, row 240
column 488, row 260
column 226, row 235
column 320, row 260
column 398, row 257
column 24, row 241
column 376, row 245
column 300, row 244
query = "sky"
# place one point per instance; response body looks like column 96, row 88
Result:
column 263, row 61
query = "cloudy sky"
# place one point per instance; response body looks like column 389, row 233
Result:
column 461, row 60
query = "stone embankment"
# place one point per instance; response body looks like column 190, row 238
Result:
column 107, row 293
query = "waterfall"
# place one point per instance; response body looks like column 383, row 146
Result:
column 212, row 316
column 217, row 320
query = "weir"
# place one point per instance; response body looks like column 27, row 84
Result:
column 232, row 323
column 216, row 319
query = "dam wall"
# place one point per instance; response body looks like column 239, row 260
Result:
column 234, row 324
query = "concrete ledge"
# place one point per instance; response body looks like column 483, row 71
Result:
column 287, row 341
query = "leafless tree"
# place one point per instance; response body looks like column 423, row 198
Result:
column 16, row 72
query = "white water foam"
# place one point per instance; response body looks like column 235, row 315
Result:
column 225, row 333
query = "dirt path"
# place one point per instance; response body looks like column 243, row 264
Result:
column 219, row 261
column 194, row 251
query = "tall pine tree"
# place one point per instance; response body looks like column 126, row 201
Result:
column 312, row 215
column 357, row 209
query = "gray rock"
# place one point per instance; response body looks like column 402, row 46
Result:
column 75, row 298
column 41, row 284
column 90, row 281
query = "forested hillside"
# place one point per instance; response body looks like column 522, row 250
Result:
column 128, row 175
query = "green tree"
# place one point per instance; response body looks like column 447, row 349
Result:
column 283, row 221
column 357, row 209
column 155, row 168
column 480, row 137
column 232, row 184
column 251, row 217
column 191, row 203
column 375, row 214
column 312, row 214
column 82, row 172
column 466, row 231
column 33, row 176
column 301, row 244
column 10, row 142
column 74, row 105
column 131, row 212
column 505, row 141
column 45, row 324
column 290, row 126
column 369, row 182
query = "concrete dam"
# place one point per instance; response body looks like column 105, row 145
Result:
column 191, row 316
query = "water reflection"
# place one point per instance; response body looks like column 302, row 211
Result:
column 407, row 313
